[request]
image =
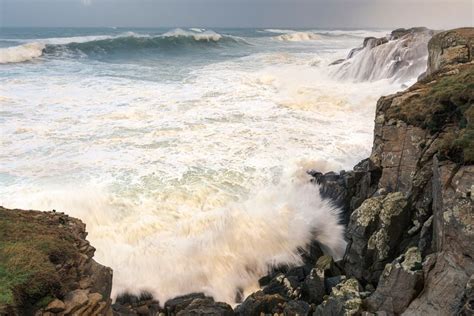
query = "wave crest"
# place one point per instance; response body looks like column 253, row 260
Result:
column 299, row 37
column 21, row 53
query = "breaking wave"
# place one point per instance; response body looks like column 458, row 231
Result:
column 399, row 60
column 171, row 41
column 299, row 37
column 21, row 53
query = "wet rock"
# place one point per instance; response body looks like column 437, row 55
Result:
column 288, row 287
column 296, row 308
column 206, row 306
column 327, row 267
column 348, row 190
column 400, row 282
column 260, row 302
column 375, row 231
column 179, row 303
column 313, row 288
column 344, row 300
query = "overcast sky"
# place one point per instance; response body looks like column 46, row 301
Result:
column 440, row 14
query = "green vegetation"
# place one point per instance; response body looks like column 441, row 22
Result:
column 30, row 248
column 445, row 102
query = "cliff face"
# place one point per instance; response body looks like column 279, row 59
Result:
column 46, row 266
column 418, row 186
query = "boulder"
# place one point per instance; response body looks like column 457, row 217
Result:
column 374, row 232
column 400, row 282
column 450, row 48
column 206, row 306
column 259, row 302
column 345, row 299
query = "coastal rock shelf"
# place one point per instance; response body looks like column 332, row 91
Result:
column 408, row 209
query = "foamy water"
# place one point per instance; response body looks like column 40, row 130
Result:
column 184, row 151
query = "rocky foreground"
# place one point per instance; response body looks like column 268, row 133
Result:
column 408, row 210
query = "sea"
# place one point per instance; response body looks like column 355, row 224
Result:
column 184, row 150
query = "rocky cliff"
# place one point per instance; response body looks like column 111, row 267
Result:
column 408, row 210
column 46, row 266
column 408, row 207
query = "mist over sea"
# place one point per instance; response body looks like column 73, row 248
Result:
column 183, row 150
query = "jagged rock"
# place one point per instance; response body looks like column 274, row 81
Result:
column 454, row 240
column 179, row 303
column 344, row 300
column 259, row 302
column 296, row 308
column 313, row 288
column 206, row 306
column 374, row 233
column 56, row 306
column 400, row 282
column 288, row 287
column 468, row 306
column 398, row 33
column 327, row 267
column 450, row 47
column 100, row 278
column 75, row 300
column 348, row 190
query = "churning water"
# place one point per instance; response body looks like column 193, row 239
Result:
column 184, row 151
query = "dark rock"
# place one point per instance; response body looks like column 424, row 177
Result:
column 331, row 282
column 467, row 308
column 259, row 302
column 288, row 287
column 206, row 306
column 344, row 300
column 179, row 303
column 399, row 284
column 313, row 288
column 296, row 308
column 374, row 233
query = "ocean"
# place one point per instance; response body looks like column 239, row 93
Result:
column 183, row 150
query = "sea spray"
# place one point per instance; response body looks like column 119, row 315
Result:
column 21, row 53
column 215, row 252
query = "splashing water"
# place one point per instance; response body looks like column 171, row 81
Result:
column 185, row 152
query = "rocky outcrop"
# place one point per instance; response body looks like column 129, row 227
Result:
column 398, row 56
column 408, row 207
column 46, row 266
column 450, row 48
column 418, row 206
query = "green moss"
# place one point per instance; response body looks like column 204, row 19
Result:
column 441, row 102
column 30, row 248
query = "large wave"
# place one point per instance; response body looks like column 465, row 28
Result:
column 172, row 41
column 21, row 53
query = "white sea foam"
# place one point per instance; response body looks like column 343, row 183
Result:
column 400, row 60
column 191, row 184
column 198, row 36
column 299, row 37
column 191, row 250
column 21, row 53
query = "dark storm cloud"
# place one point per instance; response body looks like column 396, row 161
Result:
column 238, row 13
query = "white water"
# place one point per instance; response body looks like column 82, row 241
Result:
column 21, row 53
column 401, row 60
column 192, row 184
